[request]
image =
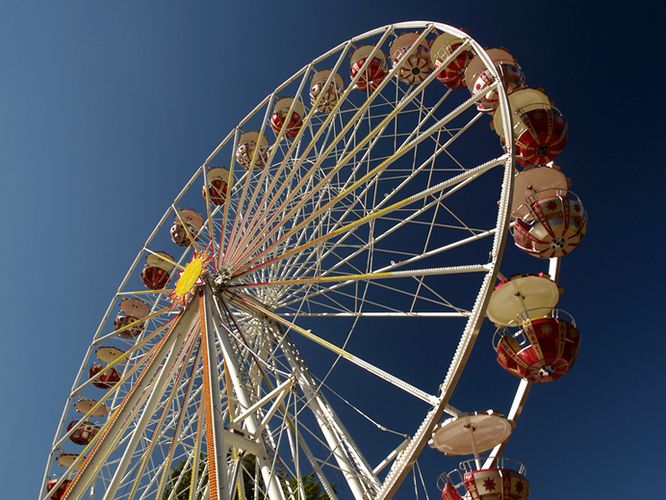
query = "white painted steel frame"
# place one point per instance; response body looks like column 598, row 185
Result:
column 405, row 455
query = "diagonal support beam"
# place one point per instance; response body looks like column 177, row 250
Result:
column 215, row 321
column 277, row 394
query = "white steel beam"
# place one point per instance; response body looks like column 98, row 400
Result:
column 215, row 318
column 356, row 470
column 216, row 442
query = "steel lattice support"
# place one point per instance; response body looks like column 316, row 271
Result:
column 214, row 319
column 353, row 464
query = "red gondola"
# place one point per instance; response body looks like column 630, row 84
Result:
column 542, row 350
column 155, row 274
column 376, row 70
column 506, row 481
column 281, row 112
column 539, row 129
column 60, row 492
column 554, row 225
column 107, row 379
column 218, row 185
column 84, row 433
column 453, row 74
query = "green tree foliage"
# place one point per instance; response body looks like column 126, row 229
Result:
column 313, row 489
column 183, row 489
column 311, row 486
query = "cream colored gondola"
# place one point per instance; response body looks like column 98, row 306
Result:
column 531, row 294
column 248, row 143
column 522, row 101
column 471, row 434
column 107, row 354
column 413, row 62
column 66, row 459
column 219, row 185
column 330, row 93
column 85, row 405
column 539, row 183
column 478, row 78
column 186, row 226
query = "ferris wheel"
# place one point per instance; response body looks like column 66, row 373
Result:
column 303, row 311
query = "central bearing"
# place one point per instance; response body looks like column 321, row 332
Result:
column 221, row 279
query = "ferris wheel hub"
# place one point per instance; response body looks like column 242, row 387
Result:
column 221, row 279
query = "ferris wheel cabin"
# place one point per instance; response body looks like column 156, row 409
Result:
column 281, row 112
column 413, row 63
column 105, row 377
column 155, row 274
column 441, row 49
column 330, row 92
column 250, row 144
column 539, row 128
column 533, row 340
column 375, row 71
column 554, row 225
column 474, row 434
column 507, row 481
column 542, row 349
column 185, row 227
column 83, row 432
column 105, row 380
column 479, row 80
column 217, row 184
column 59, row 493
column 128, row 321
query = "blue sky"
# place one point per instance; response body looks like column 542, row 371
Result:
column 106, row 110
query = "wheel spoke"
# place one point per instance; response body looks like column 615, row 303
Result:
column 470, row 174
column 348, row 278
column 378, row 372
column 397, row 154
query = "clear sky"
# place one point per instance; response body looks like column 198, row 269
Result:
column 107, row 108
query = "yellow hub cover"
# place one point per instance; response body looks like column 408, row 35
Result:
column 189, row 277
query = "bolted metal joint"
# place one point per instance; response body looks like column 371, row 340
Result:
column 221, row 280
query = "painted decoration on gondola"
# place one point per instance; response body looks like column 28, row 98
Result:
column 375, row 71
column 547, row 350
column 554, row 227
